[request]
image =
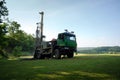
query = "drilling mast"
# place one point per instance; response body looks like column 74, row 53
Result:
column 41, row 26
column 39, row 31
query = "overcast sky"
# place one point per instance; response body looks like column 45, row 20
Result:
column 95, row 22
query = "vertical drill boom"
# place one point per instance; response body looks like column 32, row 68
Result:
column 41, row 27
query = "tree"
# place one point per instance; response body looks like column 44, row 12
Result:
column 3, row 40
column 13, row 28
column 3, row 10
column 3, row 28
column 18, row 39
column 12, row 39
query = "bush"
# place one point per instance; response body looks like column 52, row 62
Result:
column 17, row 51
column 3, row 54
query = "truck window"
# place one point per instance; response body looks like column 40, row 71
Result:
column 70, row 38
column 60, row 36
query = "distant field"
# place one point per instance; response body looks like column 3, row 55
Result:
column 83, row 54
column 81, row 67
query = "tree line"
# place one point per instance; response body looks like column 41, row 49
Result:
column 109, row 50
column 13, row 40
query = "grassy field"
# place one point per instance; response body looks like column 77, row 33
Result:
column 81, row 67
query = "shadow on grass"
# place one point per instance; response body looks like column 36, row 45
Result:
column 74, row 75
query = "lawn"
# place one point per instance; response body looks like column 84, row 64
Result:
column 81, row 67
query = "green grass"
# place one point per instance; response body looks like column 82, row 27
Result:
column 82, row 67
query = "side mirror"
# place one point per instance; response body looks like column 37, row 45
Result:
column 43, row 36
column 62, row 36
column 0, row 20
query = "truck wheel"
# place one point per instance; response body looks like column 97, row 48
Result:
column 70, row 54
column 57, row 54
column 41, row 56
column 36, row 54
column 52, row 55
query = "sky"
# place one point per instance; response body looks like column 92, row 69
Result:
column 96, row 23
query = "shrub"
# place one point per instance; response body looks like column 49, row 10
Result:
column 17, row 51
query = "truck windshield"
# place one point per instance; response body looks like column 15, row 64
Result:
column 71, row 38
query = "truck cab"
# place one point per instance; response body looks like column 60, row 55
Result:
column 67, row 40
column 66, row 44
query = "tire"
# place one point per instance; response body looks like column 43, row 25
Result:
column 41, row 56
column 57, row 54
column 52, row 55
column 70, row 54
column 38, row 55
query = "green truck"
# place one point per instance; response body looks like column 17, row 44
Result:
column 65, row 44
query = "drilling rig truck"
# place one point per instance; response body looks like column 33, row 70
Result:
column 65, row 44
